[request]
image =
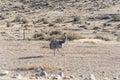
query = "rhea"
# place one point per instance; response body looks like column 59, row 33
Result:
column 56, row 44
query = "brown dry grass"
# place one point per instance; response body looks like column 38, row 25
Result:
column 116, row 19
column 74, row 36
column 36, row 68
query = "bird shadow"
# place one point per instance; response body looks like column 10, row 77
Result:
column 30, row 57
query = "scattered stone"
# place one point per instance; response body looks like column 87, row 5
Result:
column 66, row 77
column 96, row 28
column 85, row 79
column 50, row 76
column 92, row 77
column 33, row 76
column 83, row 26
column 118, row 76
column 71, row 76
column 87, row 23
column 106, row 78
column 106, row 17
column 57, row 77
column 43, row 73
column 115, row 78
column 118, row 26
column 107, row 24
column 81, row 76
column 17, row 76
column 61, row 74
column 2, row 73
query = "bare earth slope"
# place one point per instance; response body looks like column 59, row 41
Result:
column 43, row 17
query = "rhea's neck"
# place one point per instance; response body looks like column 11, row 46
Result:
column 65, row 38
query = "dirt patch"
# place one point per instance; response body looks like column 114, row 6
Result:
column 81, row 58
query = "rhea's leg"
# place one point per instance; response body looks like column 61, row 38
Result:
column 60, row 52
column 54, row 52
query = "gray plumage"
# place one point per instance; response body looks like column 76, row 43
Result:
column 56, row 44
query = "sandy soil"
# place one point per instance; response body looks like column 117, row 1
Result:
column 89, row 55
column 80, row 58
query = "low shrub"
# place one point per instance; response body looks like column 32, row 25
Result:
column 46, row 21
column 118, row 38
column 40, row 36
column 102, row 38
column 56, row 32
column 20, row 19
column 2, row 17
column 117, row 18
column 76, row 19
column 73, row 36
column 59, row 20
column 8, row 24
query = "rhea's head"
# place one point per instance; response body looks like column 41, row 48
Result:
column 65, row 37
column 65, row 34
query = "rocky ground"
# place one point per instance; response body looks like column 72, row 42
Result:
column 48, row 19
column 92, row 26
column 81, row 58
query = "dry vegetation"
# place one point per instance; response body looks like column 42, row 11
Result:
column 51, row 15
column 92, row 26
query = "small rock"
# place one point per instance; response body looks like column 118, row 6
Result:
column 83, row 26
column 17, row 76
column 118, row 76
column 81, row 76
column 107, row 24
column 61, row 74
column 43, row 73
column 50, row 76
column 33, row 76
column 66, row 77
column 118, row 26
column 115, row 78
column 2, row 73
column 57, row 77
column 106, row 78
column 92, row 77
column 96, row 28
column 71, row 76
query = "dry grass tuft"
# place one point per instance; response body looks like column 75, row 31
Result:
column 2, row 17
column 59, row 20
column 20, row 19
column 40, row 36
column 102, row 38
column 46, row 21
column 56, row 32
column 118, row 38
column 76, row 19
column 8, row 24
column 74, row 36
column 35, row 68
column 117, row 18
column 91, row 42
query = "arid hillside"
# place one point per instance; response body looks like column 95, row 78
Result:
column 90, row 53
column 45, row 19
